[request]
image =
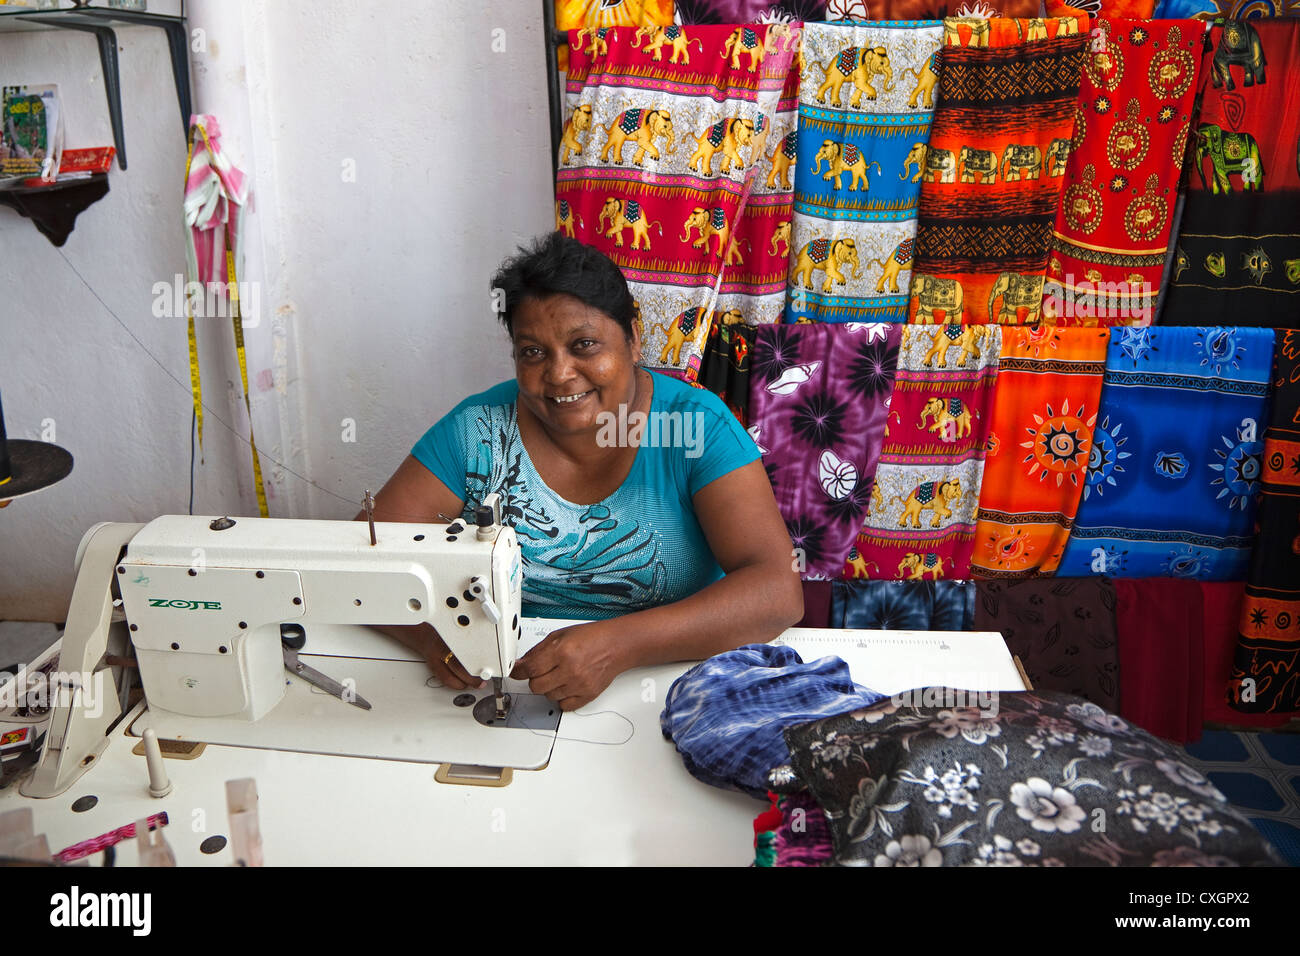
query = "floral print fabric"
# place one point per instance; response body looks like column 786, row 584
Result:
column 921, row 520
column 926, row 785
column 1174, row 472
column 818, row 398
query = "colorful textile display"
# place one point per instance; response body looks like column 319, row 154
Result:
column 1238, row 9
column 928, row 9
column 793, row 832
column 725, row 715
column 1221, row 603
column 1121, row 176
column 748, row 11
column 1174, row 472
column 921, row 521
column 1161, row 656
column 724, row 369
column 595, row 15
column 1268, row 652
column 818, row 398
column 1130, row 9
column 1238, row 250
column 903, row 605
column 1007, row 96
column 1016, row 785
column 1044, row 412
column 1062, row 629
column 863, row 126
column 654, row 171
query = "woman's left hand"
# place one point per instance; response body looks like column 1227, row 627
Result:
column 572, row 665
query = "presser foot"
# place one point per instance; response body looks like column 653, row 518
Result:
column 518, row 711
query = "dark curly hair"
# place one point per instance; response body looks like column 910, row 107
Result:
column 558, row 265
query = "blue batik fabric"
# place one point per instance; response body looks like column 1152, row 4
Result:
column 903, row 605
column 726, row 715
column 866, row 99
column 1173, row 477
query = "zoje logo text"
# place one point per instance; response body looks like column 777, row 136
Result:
column 186, row 605
column 102, row 909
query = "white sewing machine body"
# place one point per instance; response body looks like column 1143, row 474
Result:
column 205, row 606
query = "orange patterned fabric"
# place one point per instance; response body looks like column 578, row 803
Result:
column 597, row 14
column 1129, row 9
column 1044, row 411
column 1008, row 90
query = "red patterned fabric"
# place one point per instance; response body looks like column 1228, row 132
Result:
column 1161, row 655
column 1221, row 612
column 1121, row 178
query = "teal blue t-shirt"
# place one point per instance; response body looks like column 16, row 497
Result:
column 640, row 547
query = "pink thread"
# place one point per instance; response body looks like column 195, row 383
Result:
column 88, row 847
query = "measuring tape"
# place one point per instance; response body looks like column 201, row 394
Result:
column 232, row 285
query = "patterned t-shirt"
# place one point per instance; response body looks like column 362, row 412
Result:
column 640, row 547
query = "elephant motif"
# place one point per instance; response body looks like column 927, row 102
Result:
column 978, row 165
column 1239, row 44
column 1025, row 161
column 965, row 337
column 781, row 235
column 685, row 328
column 743, row 40
column 938, row 496
column 919, row 565
column 579, row 122
column 859, row 564
column 627, row 214
column 1017, row 292
column 727, row 136
column 843, row 158
column 599, row 47
column 656, row 36
column 978, row 26
column 565, row 217
column 926, row 78
column 732, row 317
column 897, row 260
column 942, row 164
column 1058, row 151
column 934, row 295
column 1230, row 154
column 734, row 258
column 915, row 156
column 710, row 223
column 859, row 66
column 829, row 255
column 782, row 158
column 951, row 417
column 641, row 126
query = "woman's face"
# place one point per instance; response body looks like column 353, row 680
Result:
column 573, row 362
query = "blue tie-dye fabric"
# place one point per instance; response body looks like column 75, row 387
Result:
column 903, row 605
column 727, row 715
column 1174, row 471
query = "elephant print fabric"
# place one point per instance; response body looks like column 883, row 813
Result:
column 1039, row 446
column 1268, row 650
column 818, row 397
column 1140, row 81
column 1238, row 249
column 921, row 520
column 1006, row 103
column 659, row 170
column 590, row 16
column 1174, row 473
column 866, row 98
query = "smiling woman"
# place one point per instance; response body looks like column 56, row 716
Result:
column 667, row 539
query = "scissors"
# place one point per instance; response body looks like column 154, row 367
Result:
column 293, row 637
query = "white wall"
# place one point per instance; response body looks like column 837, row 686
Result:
column 374, row 298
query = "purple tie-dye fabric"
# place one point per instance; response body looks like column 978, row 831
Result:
column 818, row 401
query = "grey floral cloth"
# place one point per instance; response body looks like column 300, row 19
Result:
column 1027, row 779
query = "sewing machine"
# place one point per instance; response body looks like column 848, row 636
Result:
column 203, row 603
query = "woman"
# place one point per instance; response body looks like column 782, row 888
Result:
column 666, row 537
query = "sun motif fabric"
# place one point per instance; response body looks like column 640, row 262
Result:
column 921, row 521
column 1008, row 91
column 1238, row 252
column 1109, row 244
column 818, row 398
column 593, row 15
column 1268, row 650
column 675, row 206
column 1040, row 440
column 1175, row 467
column 866, row 99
